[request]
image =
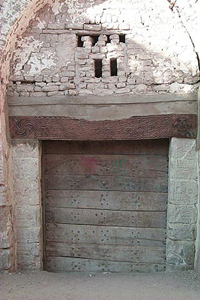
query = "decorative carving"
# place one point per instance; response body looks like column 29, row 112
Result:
column 134, row 128
column 184, row 125
column 22, row 127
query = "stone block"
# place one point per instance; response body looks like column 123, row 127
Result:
column 183, row 192
column 124, row 26
column 183, row 149
column 30, row 249
column 5, row 259
column 27, row 192
column 105, row 92
column 26, row 168
column 26, row 150
column 181, row 232
column 56, row 26
column 5, row 218
column 6, row 237
column 64, row 79
column 55, row 93
column 183, row 214
column 183, row 169
column 28, row 262
column 92, row 27
column 50, row 88
column 125, row 90
column 38, row 94
column 28, row 216
column 29, row 235
column 180, row 253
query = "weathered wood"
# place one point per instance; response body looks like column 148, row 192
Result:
column 147, row 147
column 88, row 265
column 105, row 206
column 114, row 200
column 105, row 235
column 137, row 254
column 106, row 217
column 152, row 166
column 127, row 128
column 106, row 183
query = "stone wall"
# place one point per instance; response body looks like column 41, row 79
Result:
column 182, row 204
column 58, row 52
column 167, row 35
column 28, row 211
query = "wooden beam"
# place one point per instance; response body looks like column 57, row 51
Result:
column 134, row 128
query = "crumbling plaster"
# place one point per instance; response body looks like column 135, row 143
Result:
column 15, row 17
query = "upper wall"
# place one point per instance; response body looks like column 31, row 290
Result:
column 104, row 47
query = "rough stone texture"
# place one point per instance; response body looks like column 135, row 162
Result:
column 165, row 39
column 182, row 204
column 49, row 50
column 27, row 195
column 197, row 254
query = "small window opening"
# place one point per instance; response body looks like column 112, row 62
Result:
column 122, row 38
column 113, row 67
column 79, row 41
column 95, row 39
column 98, row 68
column 108, row 39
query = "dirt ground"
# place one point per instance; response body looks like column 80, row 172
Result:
column 104, row 286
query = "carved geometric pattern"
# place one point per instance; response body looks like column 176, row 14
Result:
column 134, row 128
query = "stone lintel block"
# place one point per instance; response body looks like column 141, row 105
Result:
column 183, row 214
column 183, row 192
column 180, row 232
column 180, row 253
column 93, row 27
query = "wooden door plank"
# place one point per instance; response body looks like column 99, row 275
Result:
column 89, row 265
column 106, row 183
column 145, row 147
column 111, row 200
column 105, row 235
column 151, row 166
column 106, row 217
column 119, row 253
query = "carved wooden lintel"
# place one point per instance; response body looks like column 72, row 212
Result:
column 134, row 128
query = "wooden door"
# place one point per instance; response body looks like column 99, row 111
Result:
column 105, row 205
